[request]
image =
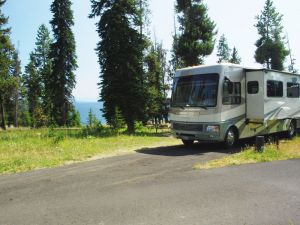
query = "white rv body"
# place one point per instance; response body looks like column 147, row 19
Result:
column 248, row 101
column 262, row 108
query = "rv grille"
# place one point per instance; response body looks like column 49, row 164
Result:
column 188, row 127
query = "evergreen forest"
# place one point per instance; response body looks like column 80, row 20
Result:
column 136, row 72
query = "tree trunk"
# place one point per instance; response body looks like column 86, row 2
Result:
column 3, row 126
column 64, row 114
column 16, row 111
column 130, row 126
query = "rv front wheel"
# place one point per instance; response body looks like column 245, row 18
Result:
column 291, row 130
column 230, row 138
column 188, row 143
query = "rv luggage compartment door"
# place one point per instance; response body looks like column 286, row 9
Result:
column 255, row 96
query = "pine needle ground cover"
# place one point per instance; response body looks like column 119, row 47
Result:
column 23, row 150
column 287, row 149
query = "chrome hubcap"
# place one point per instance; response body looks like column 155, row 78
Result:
column 230, row 137
column 292, row 129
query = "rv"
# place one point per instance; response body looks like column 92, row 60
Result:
column 228, row 102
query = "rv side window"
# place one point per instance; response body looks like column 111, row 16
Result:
column 252, row 87
column 292, row 90
column 274, row 88
column 231, row 93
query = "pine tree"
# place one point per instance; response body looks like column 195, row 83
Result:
column 24, row 118
column 92, row 119
column 64, row 61
column 118, row 120
column 33, row 85
column 197, row 31
column 235, row 58
column 155, row 62
column 143, row 12
column 75, row 120
column 16, row 72
column 271, row 51
column 37, row 79
column 223, row 50
column 174, row 62
column 7, row 80
column 120, row 52
column 44, row 67
column 43, row 46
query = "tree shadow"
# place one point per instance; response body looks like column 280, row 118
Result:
column 195, row 149
column 202, row 148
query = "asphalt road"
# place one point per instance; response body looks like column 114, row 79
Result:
column 154, row 187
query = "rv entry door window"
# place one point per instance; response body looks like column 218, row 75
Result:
column 252, row 87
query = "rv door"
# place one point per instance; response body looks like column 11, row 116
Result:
column 255, row 96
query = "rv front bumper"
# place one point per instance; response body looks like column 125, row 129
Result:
column 211, row 132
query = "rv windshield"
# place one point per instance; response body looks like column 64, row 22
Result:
column 195, row 91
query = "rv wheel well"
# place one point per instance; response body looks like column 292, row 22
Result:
column 236, row 131
column 294, row 121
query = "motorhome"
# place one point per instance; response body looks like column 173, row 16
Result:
column 227, row 102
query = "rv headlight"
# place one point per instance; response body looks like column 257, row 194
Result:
column 213, row 128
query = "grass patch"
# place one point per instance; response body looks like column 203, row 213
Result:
column 288, row 149
column 23, row 150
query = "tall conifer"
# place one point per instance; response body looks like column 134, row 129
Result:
column 155, row 81
column 7, row 80
column 223, row 50
column 271, row 50
column 33, row 85
column 63, row 54
column 16, row 72
column 38, row 78
column 44, row 67
column 235, row 58
column 197, row 31
column 120, row 52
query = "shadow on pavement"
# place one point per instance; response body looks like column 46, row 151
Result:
column 196, row 149
column 202, row 148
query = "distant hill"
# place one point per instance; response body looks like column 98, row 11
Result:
column 84, row 108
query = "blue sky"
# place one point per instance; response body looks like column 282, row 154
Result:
column 234, row 18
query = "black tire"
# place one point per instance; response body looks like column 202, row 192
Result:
column 187, row 143
column 230, row 138
column 291, row 132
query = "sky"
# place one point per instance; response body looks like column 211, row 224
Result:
column 234, row 18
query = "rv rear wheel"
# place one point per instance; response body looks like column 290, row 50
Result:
column 290, row 133
column 188, row 142
column 230, row 138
